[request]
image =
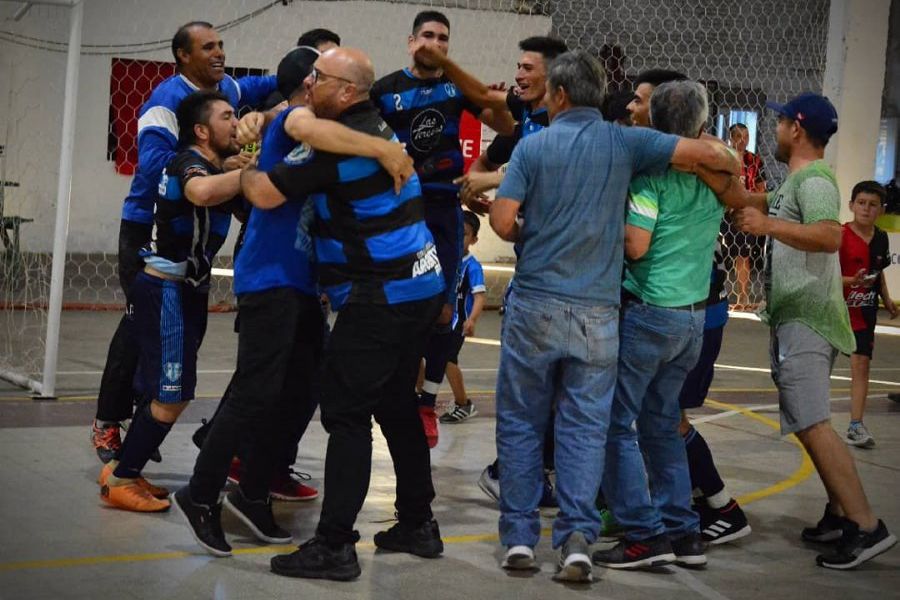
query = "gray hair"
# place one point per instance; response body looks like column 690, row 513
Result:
column 581, row 75
column 679, row 107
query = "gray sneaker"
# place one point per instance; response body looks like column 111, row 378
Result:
column 859, row 436
column 489, row 482
column 575, row 560
column 459, row 413
column 519, row 558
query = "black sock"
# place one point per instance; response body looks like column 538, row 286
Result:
column 144, row 436
column 700, row 462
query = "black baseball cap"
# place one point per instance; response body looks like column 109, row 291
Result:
column 814, row 113
column 294, row 68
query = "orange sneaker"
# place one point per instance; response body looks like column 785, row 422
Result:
column 132, row 496
column 429, row 423
column 157, row 491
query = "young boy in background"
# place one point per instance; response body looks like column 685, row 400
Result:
column 864, row 255
column 469, row 304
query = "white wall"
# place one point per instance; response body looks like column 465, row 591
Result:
column 31, row 81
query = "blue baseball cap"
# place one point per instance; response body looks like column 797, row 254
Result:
column 815, row 113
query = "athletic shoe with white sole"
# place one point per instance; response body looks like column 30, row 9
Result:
column 205, row 522
column 458, row 413
column 489, row 482
column 689, row 550
column 723, row 525
column 859, row 436
column 519, row 558
column 655, row 551
column 575, row 561
column 257, row 515
column 829, row 528
column 857, row 546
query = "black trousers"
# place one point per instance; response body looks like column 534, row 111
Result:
column 370, row 368
column 279, row 346
column 117, row 395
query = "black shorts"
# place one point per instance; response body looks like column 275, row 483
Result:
column 865, row 341
column 456, row 344
column 696, row 385
column 445, row 222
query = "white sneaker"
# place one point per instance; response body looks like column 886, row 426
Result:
column 519, row 558
column 575, row 564
column 489, row 482
column 859, row 436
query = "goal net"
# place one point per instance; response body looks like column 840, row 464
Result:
column 746, row 53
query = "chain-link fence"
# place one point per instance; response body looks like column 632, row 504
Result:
column 746, row 53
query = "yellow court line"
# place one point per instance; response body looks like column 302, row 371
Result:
column 802, row 473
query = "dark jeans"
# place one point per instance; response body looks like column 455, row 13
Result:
column 370, row 368
column 278, row 354
column 117, row 394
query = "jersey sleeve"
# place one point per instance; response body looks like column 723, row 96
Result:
column 303, row 176
column 254, row 89
column 651, row 150
column 643, row 204
column 188, row 165
column 818, row 200
column 501, row 148
column 476, row 277
column 157, row 139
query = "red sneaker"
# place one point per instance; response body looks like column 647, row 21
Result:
column 234, row 471
column 429, row 423
column 289, row 487
column 107, row 441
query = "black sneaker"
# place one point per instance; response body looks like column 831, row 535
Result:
column 423, row 540
column 722, row 525
column 857, row 546
column 317, row 560
column 828, row 529
column 199, row 436
column 651, row 552
column 257, row 515
column 204, row 521
column 689, row 550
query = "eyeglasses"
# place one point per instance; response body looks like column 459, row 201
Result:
column 317, row 76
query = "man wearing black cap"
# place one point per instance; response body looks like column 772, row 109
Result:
column 809, row 320
column 280, row 336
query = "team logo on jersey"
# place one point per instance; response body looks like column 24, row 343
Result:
column 172, row 371
column 426, row 129
column 302, row 153
column 450, row 89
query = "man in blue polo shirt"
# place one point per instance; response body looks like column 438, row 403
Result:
column 560, row 335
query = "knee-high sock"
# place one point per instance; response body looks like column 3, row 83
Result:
column 704, row 474
column 144, row 436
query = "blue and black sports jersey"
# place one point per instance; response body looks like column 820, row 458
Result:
column 371, row 244
column 471, row 282
column 158, row 133
column 425, row 114
column 527, row 122
column 186, row 237
column 277, row 247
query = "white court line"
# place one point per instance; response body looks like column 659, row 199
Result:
column 752, row 408
column 766, row 370
column 882, row 329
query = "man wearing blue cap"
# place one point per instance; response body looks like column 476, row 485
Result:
column 808, row 320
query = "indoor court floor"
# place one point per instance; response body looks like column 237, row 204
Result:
column 58, row 540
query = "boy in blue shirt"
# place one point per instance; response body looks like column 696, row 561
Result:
column 469, row 304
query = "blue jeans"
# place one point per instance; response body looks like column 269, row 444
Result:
column 657, row 349
column 553, row 350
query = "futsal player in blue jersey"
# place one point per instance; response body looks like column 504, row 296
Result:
column 424, row 107
column 170, row 293
column 377, row 262
column 200, row 62
column 280, row 335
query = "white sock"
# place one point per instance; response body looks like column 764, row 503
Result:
column 719, row 500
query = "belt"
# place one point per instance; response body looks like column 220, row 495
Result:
column 160, row 275
column 629, row 297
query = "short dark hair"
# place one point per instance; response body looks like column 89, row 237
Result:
column 869, row 187
column 182, row 38
column 657, row 77
column 548, row 47
column 737, row 126
column 615, row 106
column 314, row 37
column 426, row 16
column 195, row 109
column 472, row 220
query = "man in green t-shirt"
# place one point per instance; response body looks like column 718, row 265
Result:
column 670, row 237
column 809, row 320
